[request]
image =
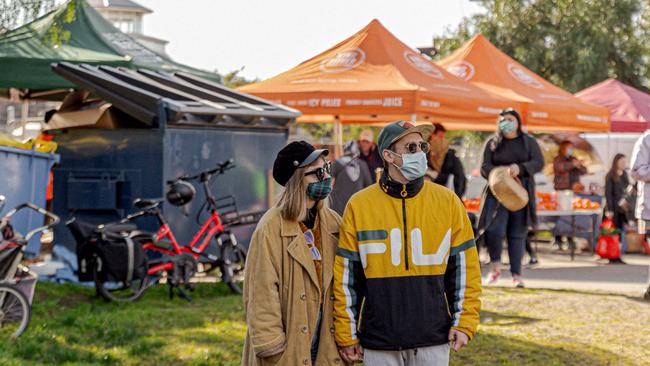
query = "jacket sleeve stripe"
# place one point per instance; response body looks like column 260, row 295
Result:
column 372, row 235
column 350, row 296
column 348, row 254
column 466, row 245
column 461, row 282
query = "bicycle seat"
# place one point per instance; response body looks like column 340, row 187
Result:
column 147, row 203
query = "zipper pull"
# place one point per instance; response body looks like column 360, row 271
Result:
column 403, row 193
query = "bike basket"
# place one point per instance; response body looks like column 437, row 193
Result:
column 250, row 218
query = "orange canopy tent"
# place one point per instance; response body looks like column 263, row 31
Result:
column 545, row 106
column 372, row 77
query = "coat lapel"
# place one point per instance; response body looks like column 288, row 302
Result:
column 329, row 236
column 298, row 249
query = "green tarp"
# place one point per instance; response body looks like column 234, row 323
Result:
column 74, row 32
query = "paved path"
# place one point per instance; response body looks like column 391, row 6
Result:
column 587, row 272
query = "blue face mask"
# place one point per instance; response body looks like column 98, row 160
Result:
column 569, row 152
column 506, row 126
column 413, row 165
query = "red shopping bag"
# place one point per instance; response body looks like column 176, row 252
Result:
column 608, row 243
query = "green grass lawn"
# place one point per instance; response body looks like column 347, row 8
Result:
column 70, row 326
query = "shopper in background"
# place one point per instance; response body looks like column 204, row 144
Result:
column 443, row 162
column 369, row 153
column 567, row 170
column 640, row 170
column 616, row 206
column 512, row 148
column 350, row 175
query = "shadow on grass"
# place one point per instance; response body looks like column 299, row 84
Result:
column 489, row 349
column 492, row 318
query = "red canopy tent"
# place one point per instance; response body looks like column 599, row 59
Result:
column 629, row 107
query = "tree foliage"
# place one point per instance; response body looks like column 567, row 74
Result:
column 14, row 13
column 572, row 43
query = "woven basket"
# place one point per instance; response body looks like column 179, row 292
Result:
column 507, row 190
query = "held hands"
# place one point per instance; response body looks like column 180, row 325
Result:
column 514, row 170
column 351, row 354
column 458, row 339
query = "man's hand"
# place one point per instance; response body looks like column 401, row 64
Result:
column 514, row 170
column 458, row 339
column 351, row 354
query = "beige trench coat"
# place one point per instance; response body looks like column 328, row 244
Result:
column 282, row 292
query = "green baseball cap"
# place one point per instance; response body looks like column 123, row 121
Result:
column 398, row 129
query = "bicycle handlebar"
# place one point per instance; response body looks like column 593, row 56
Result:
column 42, row 211
column 220, row 169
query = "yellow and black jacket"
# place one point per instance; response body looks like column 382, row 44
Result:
column 406, row 269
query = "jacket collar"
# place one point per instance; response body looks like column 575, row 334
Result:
column 399, row 190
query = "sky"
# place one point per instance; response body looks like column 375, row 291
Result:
column 269, row 37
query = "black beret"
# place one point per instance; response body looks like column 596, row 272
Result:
column 296, row 155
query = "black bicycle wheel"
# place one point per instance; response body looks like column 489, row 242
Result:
column 232, row 260
column 118, row 290
column 15, row 312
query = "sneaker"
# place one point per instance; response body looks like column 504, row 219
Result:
column 518, row 282
column 493, row 277
column 646, row 296
column 533, row 261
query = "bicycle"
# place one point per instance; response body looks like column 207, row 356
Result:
column 180, row 262
column 17, row 282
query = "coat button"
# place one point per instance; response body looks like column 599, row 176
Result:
column 332, row 297
column 305, row 362
column 332, row 330
column 304, row 329
column 303, row 297
column 337, row 360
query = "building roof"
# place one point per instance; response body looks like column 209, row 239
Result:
column 120, row 4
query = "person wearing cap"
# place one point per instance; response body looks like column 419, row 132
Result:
column 509, row 147
column 370, row 153
column 350, row 175
column 406, row 275
column 443, row 162
column 288, row 282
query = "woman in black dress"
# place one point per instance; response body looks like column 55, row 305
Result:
column 616, row 206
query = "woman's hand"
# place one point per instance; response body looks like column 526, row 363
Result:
column 351, row 354
column 514, row 170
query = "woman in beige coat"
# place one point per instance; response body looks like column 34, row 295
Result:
column 288, row 283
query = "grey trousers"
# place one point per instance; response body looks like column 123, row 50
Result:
column 426, row 356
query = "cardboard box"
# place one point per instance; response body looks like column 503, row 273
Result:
column 76, row 111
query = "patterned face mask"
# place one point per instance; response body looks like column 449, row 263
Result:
column 319, row 190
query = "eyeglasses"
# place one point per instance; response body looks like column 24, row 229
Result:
column 320, row 172
column 412, row 147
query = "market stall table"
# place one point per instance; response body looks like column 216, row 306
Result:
column 593, row 213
